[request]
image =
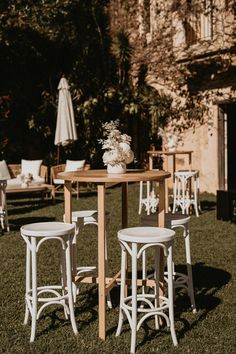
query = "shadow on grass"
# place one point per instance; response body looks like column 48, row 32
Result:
column 207, row 282
column 16, row 224
column 17, row 207
column 85, row 312
column 207, row 205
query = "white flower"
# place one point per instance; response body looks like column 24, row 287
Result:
column 129, row 157
column 125, row 147
column 117, row 145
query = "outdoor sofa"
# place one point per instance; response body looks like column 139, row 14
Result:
column 14, row 173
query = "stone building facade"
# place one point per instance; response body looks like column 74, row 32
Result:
column 189, row 50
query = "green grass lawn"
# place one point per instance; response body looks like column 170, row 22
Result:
column 211, row 330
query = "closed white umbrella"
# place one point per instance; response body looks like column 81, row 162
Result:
column 65, row 127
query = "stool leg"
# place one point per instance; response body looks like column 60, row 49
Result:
column 63, row 279
column 157, row 282
column 174, row 196
column 74, row 260
column 69, row 285
column 134, row 298
column 34, row 289
column 170, row 293
column 27, row 282
column 144, row 269
column 109, row 303
column 148, row 198
column 140, row 197
column 195, row 197
column 189, row 269
column 122, row 289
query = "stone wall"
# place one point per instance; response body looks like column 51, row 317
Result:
column 205, row 71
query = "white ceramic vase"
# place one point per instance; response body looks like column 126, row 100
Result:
column 117, row 168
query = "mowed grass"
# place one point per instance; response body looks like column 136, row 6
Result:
column 211, row 330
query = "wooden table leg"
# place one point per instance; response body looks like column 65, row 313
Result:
column 150, row 162
column 124, row 208
column 162, row 201
column 101, row 262
column 161, row 223
column 124, row 205
column 68, row 201
column 165, row 168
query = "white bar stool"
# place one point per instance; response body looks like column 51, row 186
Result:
column 79, row 219
column 134, row 241
column 34, row 235
column 182, row 191
column 175, row 221
column 150, row 201
column 3, row 205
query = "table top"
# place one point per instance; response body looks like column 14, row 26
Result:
column 179, row 152
column 102, row 176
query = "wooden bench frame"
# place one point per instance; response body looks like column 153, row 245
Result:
column 60, row 188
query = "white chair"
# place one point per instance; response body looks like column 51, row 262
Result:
column 134, row 241
column 3, row 205
column 150, row 201
column 80, row 219
column 183, row 197
column 176, row 221
column 34, row 235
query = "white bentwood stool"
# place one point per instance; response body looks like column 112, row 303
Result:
column 79, row 219
column 134, row 241
column 34, row 235
column 176, row 221
column 184, row 181
column 150, row 201
column 3, row 205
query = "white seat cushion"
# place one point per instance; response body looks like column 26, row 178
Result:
column 4, row 172
column 14, row 182
column 31, row 166
column 74, row 165
column 58, row 181
column 38, row 180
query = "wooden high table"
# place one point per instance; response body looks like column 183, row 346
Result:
column 101, row 178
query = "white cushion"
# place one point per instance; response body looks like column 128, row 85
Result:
column 31, row 166
column 14, row 182
column 58, row 181
column 74, row 165
column 4, row 172
column 38, row 180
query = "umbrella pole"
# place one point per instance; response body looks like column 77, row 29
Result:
column 58, row 154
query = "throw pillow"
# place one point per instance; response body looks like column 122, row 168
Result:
column 4, row 172
column 74, row 165
column 31, row 166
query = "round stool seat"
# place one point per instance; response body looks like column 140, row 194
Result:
column 170, row 219
column 146, row 234
column 89, row 216
column 44, row 229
